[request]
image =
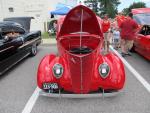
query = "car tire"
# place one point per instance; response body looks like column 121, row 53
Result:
column 33, row 50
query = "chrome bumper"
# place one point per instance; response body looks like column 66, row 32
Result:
column 96, row 95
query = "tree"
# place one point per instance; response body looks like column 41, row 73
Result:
column 133, row 6
column 109, row 7
column 103, row 6
column 125, row 11
column 92, row 4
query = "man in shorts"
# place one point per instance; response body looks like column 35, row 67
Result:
column 128, row 29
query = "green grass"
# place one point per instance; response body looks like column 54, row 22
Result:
column 46, row 35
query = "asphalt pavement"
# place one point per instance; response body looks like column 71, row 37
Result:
column 141, row 64
column 17, row 86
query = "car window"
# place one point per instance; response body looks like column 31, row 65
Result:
column 145, row 30
column 143, row 19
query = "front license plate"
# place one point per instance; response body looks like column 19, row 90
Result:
column 50, row 86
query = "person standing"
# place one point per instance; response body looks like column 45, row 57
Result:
column 116, row 38
column 105, row 29
column 128, row 29
column 120, row 18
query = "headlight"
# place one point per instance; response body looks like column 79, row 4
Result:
column 104, row 70
column 58, row 70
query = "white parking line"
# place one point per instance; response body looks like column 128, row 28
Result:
column 133, row 71
column 31, row 101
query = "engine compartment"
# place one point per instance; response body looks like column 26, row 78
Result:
column 80, row 45
column 81, row 50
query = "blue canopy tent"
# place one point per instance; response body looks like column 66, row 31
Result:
column 61, row 9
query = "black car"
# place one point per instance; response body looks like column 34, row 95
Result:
column 16, row 41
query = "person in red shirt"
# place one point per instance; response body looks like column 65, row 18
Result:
column 120, row 18
column 105, row 29
column 128, row 29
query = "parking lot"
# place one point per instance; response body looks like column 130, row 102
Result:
column 19, row 83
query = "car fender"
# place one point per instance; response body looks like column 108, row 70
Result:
column 116, row 77
column 44, row 70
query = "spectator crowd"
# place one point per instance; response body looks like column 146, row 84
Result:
column 120, row 32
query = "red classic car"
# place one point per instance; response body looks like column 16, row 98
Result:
column 142, row 41
column 80, row 67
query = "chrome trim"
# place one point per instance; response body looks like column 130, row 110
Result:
column 108, row 71
column 81, row 64
column 96, row 95
column 6, row 49
column 54, row 73
column 28, row 42
column 81, row 28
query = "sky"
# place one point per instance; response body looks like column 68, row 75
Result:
column 127, row 3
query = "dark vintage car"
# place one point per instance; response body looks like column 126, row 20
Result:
column 16, row 41
column 80, row 69
column 142, row 40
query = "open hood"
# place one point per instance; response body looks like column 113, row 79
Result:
column 80, row 20
column 24, row 21
column 142, row 15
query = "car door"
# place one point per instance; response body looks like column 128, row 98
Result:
column 7, row 48
column 142, row 44
column 9, row 53
column 139, row 42
column 146, row 42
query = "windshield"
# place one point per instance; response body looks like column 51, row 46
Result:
column 143, row 18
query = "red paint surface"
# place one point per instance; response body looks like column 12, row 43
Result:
column 120, row 19
column 142, row 45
